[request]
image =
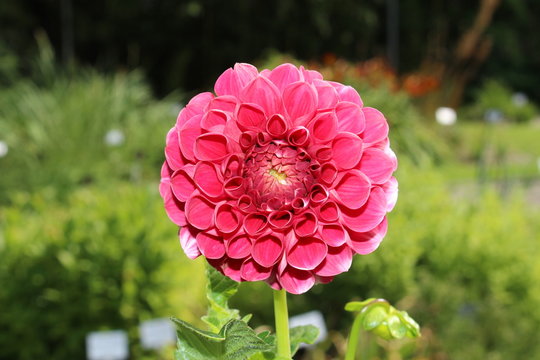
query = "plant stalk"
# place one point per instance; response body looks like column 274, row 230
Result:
column 282, row 325
column 353, row 338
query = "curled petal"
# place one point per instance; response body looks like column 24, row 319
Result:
column 247, row 140
column 307, row 253
column 347, row 150
column 211, row 147
column 207, row 179
column 232, row 165
column 353, row 189
column 227, row 219
column 214, row 119
column 329, row 212
column 188, row 242
column 334, row 234
column 366, row 242
column 195, row 107
column 200, row 212
column 251, row 271
column 277, row 126
column 350, row 117
column 299, row 136
column 182, row 183
column 337, row 261
column 232, row 81
column 239, row 247
column 376, row 126
column 267, row 250
column 305, row 224
column 318, row 194
column 211, row 246
column 300, row 101
column 232, row 268
column 225, row 103
column 328, row 173
column 280, row 219
column 250, row 117
column 245, row 204
column 324, row 126
column 369, row 215
column 254, row 224
column 296, row 281
column 234, row 187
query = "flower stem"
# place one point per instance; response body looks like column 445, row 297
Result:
column 282, row 325
column 353, row 338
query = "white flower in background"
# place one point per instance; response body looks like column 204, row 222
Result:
column 114, row 137
column 493, row 116
column 3, row 149
column 446, row 116
column 520, row 99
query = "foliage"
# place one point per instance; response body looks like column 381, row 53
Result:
column 230, row 338
column 106, row 258
column 495, row 96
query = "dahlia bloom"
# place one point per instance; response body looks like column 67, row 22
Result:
column 281, row 176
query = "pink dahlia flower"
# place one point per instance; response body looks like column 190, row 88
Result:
column 281, row 176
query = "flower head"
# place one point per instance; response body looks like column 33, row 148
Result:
column 281, row 176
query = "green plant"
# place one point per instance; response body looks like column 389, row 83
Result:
column 103, row 259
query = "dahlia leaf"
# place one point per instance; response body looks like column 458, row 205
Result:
column 235, row 341
column 218, row 292
column 306, row 334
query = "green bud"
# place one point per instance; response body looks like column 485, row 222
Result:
column 382, row 319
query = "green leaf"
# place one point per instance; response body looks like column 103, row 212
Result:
column 218, row 292
column 235, row 341
column 306, row 334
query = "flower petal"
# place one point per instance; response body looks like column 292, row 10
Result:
column 250, row 117
column 305, row 224
column 182, row 183
column 200, row 212
column 188, row 242
column 226, row 218
column 296, row 281
column 207, row 179
column 391, row 191
column 280, row 219
column 347, row 93
column 232, row 268
column 307, row 253
column 350, row 117
column 254, row 224
column 333, row 234
column 329, row 212
column 377, row 165
column 299, row 136
column 376, row 126
column 369, row 215
column 175, row 210
column 367, row 242
column 172, row 150
column 337, row 261
column 284, row 75
column 300, row 101
column 328, row 173
column 211, row 147
column 212, row 119
column 324, row 126
column 251, row 271
column 267, row 250
column 352, row 189
column 326, row 94
column 239, row 247
column 347, row 150
column 232, row 81
column 211, row 246
column 264, row 93
column 277, row 126
column 187, row 136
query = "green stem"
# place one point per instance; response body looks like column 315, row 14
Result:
column 282, row 325
column 353, row 338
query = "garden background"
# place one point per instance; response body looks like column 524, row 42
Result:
column 88, row 91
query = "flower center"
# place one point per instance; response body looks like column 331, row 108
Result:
column 280, row 177
column 276, row 174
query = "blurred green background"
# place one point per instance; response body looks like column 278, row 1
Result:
column 88, row 91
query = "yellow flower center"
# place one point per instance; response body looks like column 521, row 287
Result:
column 280, row 177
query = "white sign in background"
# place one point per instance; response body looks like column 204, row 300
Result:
column 107, row 345
column 157, row 333
column 314, row 318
